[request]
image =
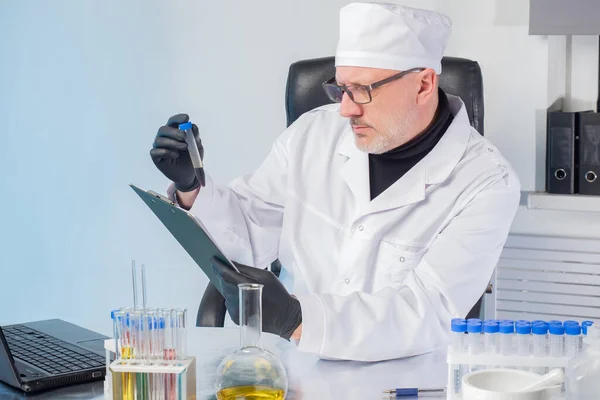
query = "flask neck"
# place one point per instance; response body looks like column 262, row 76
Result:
column 250, row 314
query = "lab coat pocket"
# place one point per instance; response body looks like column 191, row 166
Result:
column 394, row 263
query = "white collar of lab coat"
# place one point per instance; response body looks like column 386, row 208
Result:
column 432, row 169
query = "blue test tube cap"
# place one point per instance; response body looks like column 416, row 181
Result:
column 570, row 322
column 556, row 329
column 506, row 321
column 112, row 314
column 573, row 330
column 490, row 327
column 584, row 326
column 538, row 321
column 474, row 327
column 555, row 322
column 522, row 321
column 185, row 126
column 474, row 320
column 459, row 326
column 524, row 328
column 507, row 327
column 539, row 329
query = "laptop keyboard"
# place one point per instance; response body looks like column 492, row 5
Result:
column 48, row 353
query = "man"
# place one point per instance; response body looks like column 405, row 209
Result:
column 388, row 211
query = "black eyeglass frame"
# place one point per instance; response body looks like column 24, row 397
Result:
column 348, row 89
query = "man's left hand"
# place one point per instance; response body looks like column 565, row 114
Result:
column 281, row 313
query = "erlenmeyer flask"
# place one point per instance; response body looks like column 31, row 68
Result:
column 251, row 372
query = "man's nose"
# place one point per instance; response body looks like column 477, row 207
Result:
column 348, row 108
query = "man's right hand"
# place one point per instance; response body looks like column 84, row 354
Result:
column 170, row 154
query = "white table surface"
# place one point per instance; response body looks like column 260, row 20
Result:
column 309, row 377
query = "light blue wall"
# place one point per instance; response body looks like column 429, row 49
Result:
column 84, row 85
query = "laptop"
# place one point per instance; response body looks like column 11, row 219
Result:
column 43, row 355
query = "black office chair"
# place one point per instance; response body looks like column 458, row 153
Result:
column 460, row 77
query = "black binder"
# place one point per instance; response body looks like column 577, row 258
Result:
column 561, row 152
column 589, row 153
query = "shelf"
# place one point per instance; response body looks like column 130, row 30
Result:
column 564, row 202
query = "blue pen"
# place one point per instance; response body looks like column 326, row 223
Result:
column 405, row 392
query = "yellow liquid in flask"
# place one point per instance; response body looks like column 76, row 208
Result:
column 250, row 393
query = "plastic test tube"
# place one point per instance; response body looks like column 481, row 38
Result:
column 539, row 331
column 572, row 340
column 193, row 150
column 523, row 341
column 585, row 325
column 490, row 331
column 507, row 330
column 556, row 340
column 458, row 327
column 474, row 345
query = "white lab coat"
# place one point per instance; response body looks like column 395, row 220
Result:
column 376, row 279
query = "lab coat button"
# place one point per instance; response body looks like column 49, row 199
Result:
column 360, row 228
column 490, row 149
column 401, row 259
column 347, row 280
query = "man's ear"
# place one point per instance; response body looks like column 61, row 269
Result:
column 428, row 83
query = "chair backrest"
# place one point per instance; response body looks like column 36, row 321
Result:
column 460, row 77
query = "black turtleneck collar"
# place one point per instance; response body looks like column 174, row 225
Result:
column 387, row 168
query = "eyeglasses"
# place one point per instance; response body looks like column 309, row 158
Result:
column 360, row 94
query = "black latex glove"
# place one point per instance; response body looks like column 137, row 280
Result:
column 170, row 154
column 281, row 313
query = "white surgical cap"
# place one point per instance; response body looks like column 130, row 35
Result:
column 390, row 36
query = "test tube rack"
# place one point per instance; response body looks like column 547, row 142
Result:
column 130, row 380
column 488, row 361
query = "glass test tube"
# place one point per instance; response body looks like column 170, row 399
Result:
column 572, row 340
column 556, row 340
column 181, row 316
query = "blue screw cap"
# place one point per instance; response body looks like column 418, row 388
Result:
column 574, row 330
column 185, row 126
column 539, row 329
column 490, row 327
column 556, row 329
column 459, row 326
column 474, row 327
column 507, row 327
column 523, row 329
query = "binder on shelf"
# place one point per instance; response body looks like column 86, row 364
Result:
column 589, row 154
column 561, row 145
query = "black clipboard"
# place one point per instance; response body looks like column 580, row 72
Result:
column 188, row 230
